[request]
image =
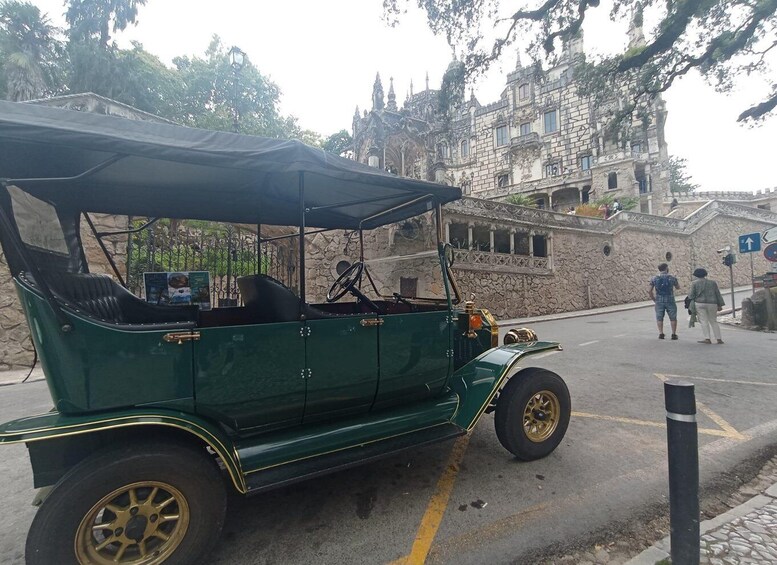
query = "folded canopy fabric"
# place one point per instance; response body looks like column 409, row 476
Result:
column 149, row 169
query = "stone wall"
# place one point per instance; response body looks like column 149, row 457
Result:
column 596, row 263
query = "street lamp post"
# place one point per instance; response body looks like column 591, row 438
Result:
column 236, row 61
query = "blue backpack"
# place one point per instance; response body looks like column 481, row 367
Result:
column 663, row 285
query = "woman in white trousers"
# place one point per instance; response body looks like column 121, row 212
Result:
column 706, row 294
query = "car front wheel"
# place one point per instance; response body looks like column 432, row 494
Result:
column 142, row 504
column 532, row 413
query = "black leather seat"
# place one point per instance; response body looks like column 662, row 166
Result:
column 269, row 300
column 99, row 297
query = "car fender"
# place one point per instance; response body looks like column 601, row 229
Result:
column 53, row 425
column 478, row 381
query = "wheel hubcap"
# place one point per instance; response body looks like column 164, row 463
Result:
column 541, row 415
column 138, row 524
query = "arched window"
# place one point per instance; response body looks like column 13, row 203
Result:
column 523, row 92
column 612, row 181
column 464, row 148
column 442, row 150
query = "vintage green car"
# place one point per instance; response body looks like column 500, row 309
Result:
column 158, row 409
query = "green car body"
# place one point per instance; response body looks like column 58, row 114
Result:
column 259, row 400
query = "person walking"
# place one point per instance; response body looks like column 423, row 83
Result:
column 661, row 292
column 706, row 295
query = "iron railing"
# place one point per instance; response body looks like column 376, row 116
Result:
column 225, row 251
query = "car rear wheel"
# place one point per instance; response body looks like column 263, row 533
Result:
column 139, row 505
column 532, row 413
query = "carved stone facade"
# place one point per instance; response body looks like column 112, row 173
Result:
column 541, row 139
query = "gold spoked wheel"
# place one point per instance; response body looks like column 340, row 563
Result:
column 138, row 524
column 541, row 416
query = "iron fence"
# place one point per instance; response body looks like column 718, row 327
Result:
column 225, row 251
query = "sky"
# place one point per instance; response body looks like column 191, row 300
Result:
column 324, row 56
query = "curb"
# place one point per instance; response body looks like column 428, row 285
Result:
column 603, row 310
column 18, row 376
column 660, row 550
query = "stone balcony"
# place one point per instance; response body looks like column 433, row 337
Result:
column 528, row 140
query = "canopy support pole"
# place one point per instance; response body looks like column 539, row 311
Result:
column 89, row 172
column 301, row 244
column 105, row 250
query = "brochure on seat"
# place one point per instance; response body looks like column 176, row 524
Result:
column 178, row 288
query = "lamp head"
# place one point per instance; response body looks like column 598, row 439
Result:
column 236, row 58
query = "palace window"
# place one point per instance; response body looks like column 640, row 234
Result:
column 501, row 241
column 503, row 180
column 553, row 169
column 521, row 243
column 525, row 129
column 636, row 149
column 540, row 245
column 442, row 150
column 502, row 136
column 459, row 235
column 612, row 181
column 464, row 148
column 523, row 92
column 585, row 163
column 551, row 121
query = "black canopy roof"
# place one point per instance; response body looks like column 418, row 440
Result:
column 162, row 170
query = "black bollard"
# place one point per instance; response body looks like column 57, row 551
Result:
column 683, row 448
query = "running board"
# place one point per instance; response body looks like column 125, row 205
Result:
column 304, row 469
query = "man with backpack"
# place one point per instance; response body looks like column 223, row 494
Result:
column 662, row 293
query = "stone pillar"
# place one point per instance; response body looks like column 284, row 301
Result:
column 447, row 231
column 549, row 250
column 531, row 243
column 491, row 238
column 469, row 235
column 512, row 241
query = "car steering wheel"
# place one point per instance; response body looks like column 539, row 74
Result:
column 346, row 282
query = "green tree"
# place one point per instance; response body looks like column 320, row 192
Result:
column 94, row 20
column 721, row 39
column 679, row 179
column 29, row 49
column 338, row 143
column 210, row 97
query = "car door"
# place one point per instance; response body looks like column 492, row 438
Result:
column 251, row 376
column 342, row 365
column 415, row 356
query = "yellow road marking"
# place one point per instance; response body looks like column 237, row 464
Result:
column 706, row 431
column 435, row 510
column 732, row 433
column 436, row 507
column 737, row 382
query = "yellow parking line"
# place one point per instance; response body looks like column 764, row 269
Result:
column 736, row 382
column 732, row 433
column 436, row 507
column 728, row 431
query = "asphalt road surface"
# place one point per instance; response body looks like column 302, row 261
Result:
column 468, row 501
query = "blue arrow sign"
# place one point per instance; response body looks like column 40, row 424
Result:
column 750, row 243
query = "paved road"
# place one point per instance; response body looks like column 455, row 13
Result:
column 470, row 502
